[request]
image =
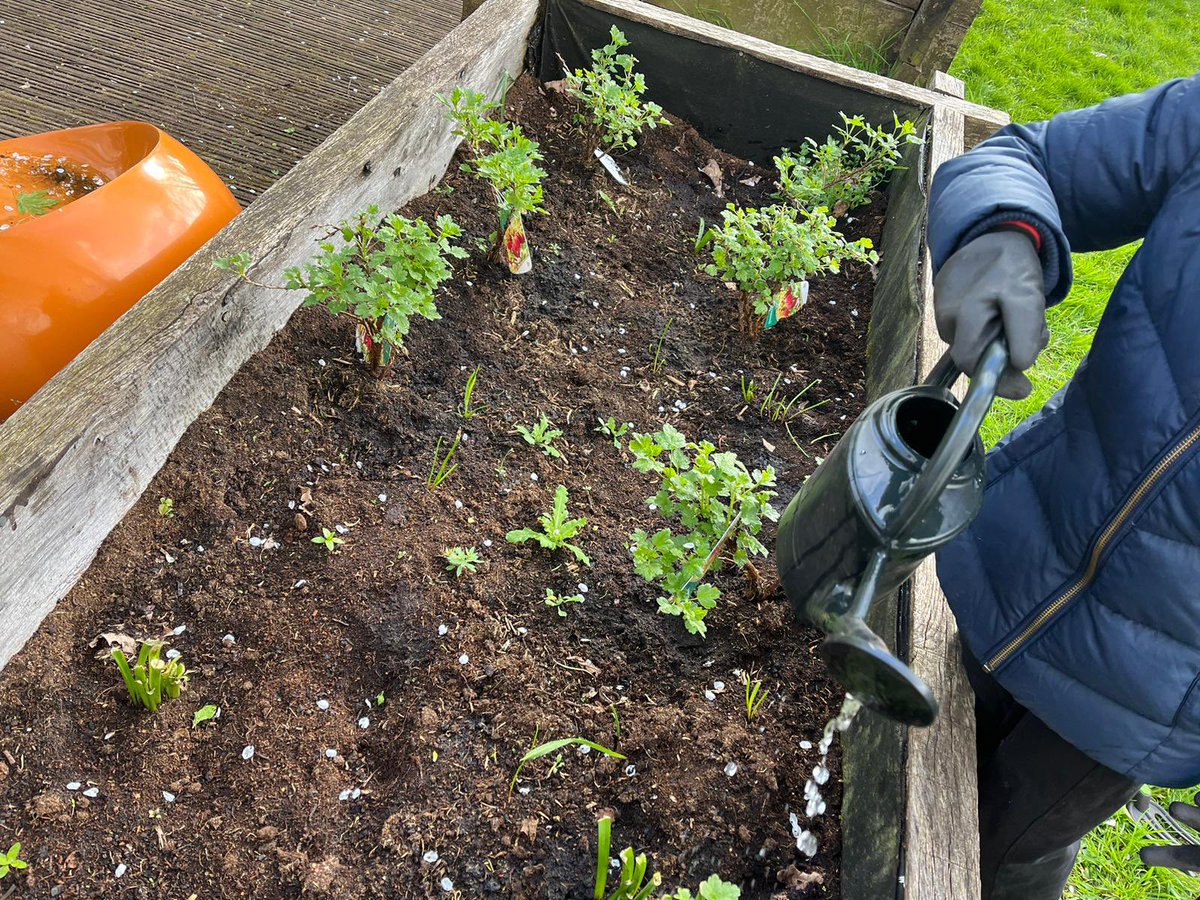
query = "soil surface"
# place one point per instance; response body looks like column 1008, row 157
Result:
column 296, row 645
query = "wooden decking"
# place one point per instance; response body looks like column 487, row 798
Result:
column 250, row 85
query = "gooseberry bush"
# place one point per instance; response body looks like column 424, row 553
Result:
column 721, row 506
column 841, row 173
column 507, row 160
column 611, row 94
column 767, row 252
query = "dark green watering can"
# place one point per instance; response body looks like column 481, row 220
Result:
column 906, row 478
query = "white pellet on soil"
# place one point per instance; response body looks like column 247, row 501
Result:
column 731, row 769
column 429, row 857
column 446, row 883
column 92, row 792
column 73, row 785
column 443, row 630
column 168, row 797
column 248, row 752
column 464, row 659
column 364, row 722
column 322, row 705
column 330, row 752
column 120, row 870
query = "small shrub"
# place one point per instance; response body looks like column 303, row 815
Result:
column 767, row 252
column 11, row 860
column 611, row 92
column 841, row 173
column 461, row 560
column 721, row 506
column 557, row 529
column 329, row 540
column 558, row 601
column 542, row 435
column 152, row 679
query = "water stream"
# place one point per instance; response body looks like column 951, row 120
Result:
column 806, row 841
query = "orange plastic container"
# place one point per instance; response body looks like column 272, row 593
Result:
column 67, row 275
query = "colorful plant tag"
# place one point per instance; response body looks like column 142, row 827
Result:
column 516, row 247
column 787, row 303
column 366, row 348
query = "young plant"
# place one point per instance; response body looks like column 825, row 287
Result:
column 712, row 888
column 329, row 540
column 659, row 360
column 557, row 529
column 166, row 507
column 756, row 695
column 558, row 601
column 553, row 747
column 11, row 860
column 465, row 409
column 461, row 560
column 778, row 408
column 749, row 390
column 611, row 93
column 721, row 506
column 151, row 679
column 768, row 252
column 507, row 160
column 542, row 435
column 613, row 430
column 441, row 468
column 841, row 173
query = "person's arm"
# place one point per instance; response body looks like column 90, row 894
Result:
column 1085, row 180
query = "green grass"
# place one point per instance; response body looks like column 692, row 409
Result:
column 1034, row 58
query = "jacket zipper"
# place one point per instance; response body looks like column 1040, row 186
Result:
column 1089, row 575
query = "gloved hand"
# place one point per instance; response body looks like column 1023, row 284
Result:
column 1181, row 856
column 993, row 286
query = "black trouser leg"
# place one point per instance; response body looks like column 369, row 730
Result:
column 1038, row 796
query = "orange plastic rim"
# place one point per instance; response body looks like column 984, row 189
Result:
column 67, row 275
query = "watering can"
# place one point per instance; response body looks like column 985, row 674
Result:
column 905, row 479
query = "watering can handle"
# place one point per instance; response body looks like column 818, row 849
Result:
column 963, row 430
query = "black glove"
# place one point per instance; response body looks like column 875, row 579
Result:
column 1181, row 856
column 993, row 286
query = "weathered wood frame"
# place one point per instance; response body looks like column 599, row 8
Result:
column 77, row 456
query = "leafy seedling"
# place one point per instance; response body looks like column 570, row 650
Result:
column 329, row 540
column 756, row 695
column 465, row 409
column 204, row 713
column 559, row 601
column 441, row 468
column 553, row 747
column 749, row 389
column 166, row 507
column 11, row 860
column 542, row 435
column 152, row 679
column 613, row 430
column 36, row 203
column 461, row 560
column 557, row 529
column 712, row 888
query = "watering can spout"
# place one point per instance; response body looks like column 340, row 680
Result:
column 905, row 479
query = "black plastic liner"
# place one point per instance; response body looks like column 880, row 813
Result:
column 743, row 105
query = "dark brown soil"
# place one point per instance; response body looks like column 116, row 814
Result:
column 434, row 764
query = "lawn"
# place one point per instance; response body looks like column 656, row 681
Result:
column 1034, row 58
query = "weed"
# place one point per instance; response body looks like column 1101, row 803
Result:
column 712, row 888
column 441, row 469
column 779, row 408
column 611, row 93
column 659, row 360
column 610, row 203
column 152, row 679
column 612, row 708
column 841, row 173
column 756, row 695
column 11, row 860
column 465, row 409
column 461, row 560
column 329, row 540
column 701, row 237
column 556, row 531
column 558, row 601
column 542, row 435
column 613, row 430
column 554, row 248
column 553, row 747
column 749, row 389
column 166, row 507
column 444, row 189
column 717, row 500
column 501, row 469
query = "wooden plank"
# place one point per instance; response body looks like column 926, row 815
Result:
column 942, row 820
column 77, row 455
column 981, row 121
column 933, row 38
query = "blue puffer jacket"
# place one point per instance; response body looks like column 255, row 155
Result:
column 1079, row 584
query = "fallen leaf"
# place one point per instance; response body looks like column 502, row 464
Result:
column 751, row 181
column 560, row 85
column 529, row 829
column 770, row 447
column 122, row 641
column 713, row 170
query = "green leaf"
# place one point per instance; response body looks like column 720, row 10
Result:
column 204, row 713
column 36, row 203
column 553, row 746
column 713, row 888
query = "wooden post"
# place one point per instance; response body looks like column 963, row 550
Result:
column 942, row 819
column 933, row 38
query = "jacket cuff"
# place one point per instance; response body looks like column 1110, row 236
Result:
column 1049, row 253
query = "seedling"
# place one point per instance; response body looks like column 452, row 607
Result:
column 749, row 389
column 556, row 531
column 712, row 888
column 756, row 695
column 441, row 469
column 659, row 360
column 204, row 713
column 720, row 503
column 611, row 93
column 36, row 203
column 11, row 860
column 558, row 601
column 329, row 540
column 166, row 507
column 507, row 160
column 768, row 252
column 461, row 560
column 465, row 409
column 841, row 173
column 613, row 430
column 152, row 679
column 542, row 435
column 779, row 408
column 633, row 884
column 553, row 747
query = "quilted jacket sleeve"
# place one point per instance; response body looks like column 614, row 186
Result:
column 1090, row 179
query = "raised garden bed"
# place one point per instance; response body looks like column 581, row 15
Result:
column 613, row 321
